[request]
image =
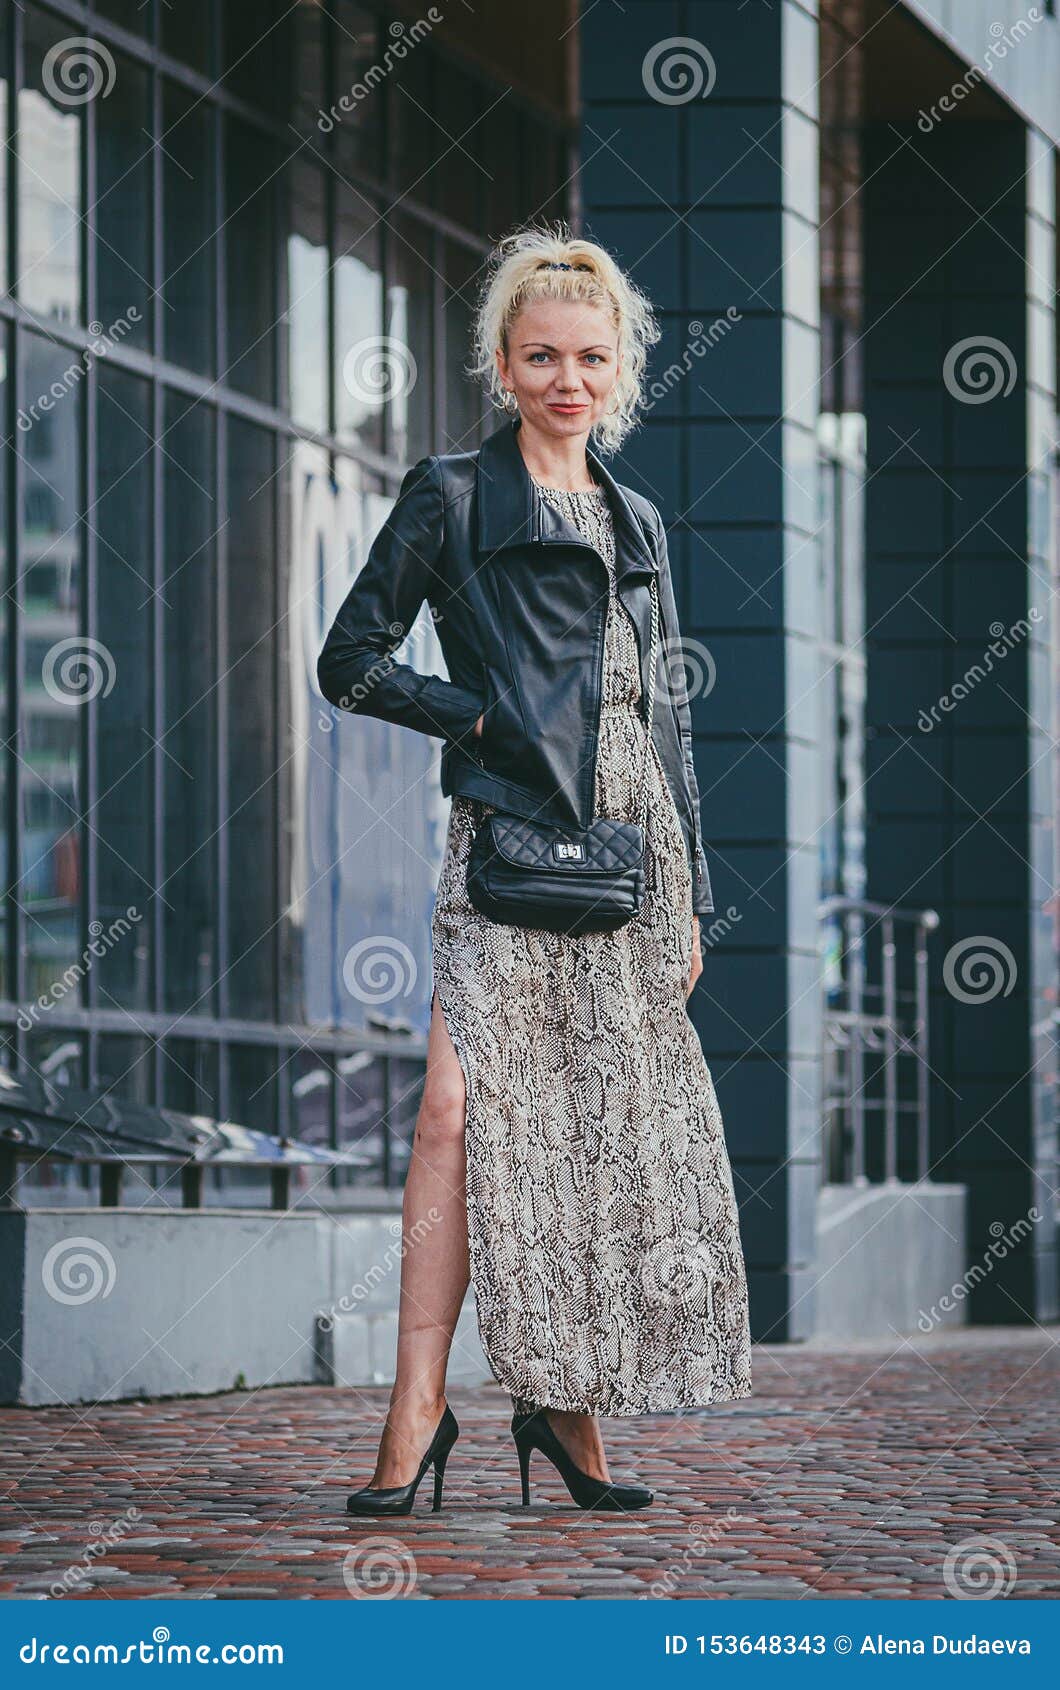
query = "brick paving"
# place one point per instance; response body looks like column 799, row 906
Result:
column 852, row 1474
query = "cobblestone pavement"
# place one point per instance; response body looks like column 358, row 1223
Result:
column 853, row 1474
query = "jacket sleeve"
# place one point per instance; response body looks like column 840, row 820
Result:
column 355, row 669
column 702, row 898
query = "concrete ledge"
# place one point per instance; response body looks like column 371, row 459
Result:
column 103, row 1304
column 887, row 1257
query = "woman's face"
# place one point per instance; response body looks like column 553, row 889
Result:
column 562, row 364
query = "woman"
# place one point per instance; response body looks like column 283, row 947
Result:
column 568, row 1146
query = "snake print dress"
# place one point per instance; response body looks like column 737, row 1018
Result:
column 602, row 1226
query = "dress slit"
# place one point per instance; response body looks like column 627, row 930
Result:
column 603, row 1235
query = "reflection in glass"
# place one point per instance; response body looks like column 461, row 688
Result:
column 123, row 207
column 58, row 1057
column 57, row 671
column 307, row 291
column 308, row 1075
column 358, row 124
column 190, row 668
column 410, row 323
column 122, row 814
column 124, row 1068
column 255, row 44
column 49, row 191
column 187, row 32
column 190, row 1070
column 362, row 362
column 5, row 106
column 189, row 237
column 250, row 254
column 7, row 933
column 462, row 395
column 308, row 537
column 250, row 694
column 132, row 15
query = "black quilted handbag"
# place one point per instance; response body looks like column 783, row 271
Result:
column 534, row 874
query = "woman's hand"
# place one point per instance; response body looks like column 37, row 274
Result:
column 697, row 958
column 477, row 729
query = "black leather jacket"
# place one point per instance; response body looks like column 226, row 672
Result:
column 519, row 600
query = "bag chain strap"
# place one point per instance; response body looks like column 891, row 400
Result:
column 652, row 684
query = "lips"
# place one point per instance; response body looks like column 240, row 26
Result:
column 569, row 410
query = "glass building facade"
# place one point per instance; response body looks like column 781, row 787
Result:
column 240, row 246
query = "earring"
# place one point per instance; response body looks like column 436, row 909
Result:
column 510, row 402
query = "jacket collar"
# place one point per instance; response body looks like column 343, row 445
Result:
column 511, row 511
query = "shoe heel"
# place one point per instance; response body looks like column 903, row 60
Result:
column 439, row 1479
column 524, row 1471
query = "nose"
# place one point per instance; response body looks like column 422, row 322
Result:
column 568, row 376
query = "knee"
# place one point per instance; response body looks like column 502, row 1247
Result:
column 441, row 1114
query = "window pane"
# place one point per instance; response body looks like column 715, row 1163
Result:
column 123, row 206
column 414, row 139
column 306, row 317
column 357, row 111
column 189, row 1077
column 49, row 181
column 460, row 179
column 250, row 693
column 187, row 29
column 59, row 674
column 125, row 1067
column 410, row 328
column 360, row 357
column 463, row 397
column 253, row 41
column 306, row 34
column 189, row 735
column 251, row 290
column 5, row 118
column 122, row 820
column 307, row 537
column 132, row 15
column 7, row 934
column 252, row 1090
column 189, row 224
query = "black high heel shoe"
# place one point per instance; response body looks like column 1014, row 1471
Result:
column 398, row 1499
column 532, row 1431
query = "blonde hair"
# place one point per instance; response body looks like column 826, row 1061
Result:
column 521, row 271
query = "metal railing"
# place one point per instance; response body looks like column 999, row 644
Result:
column 41, row 1122
column 876, row 1030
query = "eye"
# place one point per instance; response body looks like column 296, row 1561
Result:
column 598, row 356
column 535, row 355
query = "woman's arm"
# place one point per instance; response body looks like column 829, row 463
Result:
column 702, row 902
column 355, row 670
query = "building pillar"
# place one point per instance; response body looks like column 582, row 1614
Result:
column 700, row 171
column 960, row 403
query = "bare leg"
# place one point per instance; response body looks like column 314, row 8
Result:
column 434, row 1266
column 434, row 1278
